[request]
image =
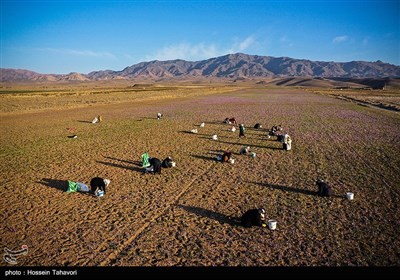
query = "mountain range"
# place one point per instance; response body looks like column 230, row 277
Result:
column 231, row 66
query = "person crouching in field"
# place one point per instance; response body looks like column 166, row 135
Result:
column 159, row 116
column 155, row 166
column 97, row 186
column 323, row 188
column 241, row 130
column 97, row 119
column 274, row 131
column 253, row 217
column 286, row 142
column 246, row 150
column 231, row 120
column 225, row 157
column 151, row 164
column 168, row 162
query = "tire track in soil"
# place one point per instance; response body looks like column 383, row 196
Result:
column 112, row 256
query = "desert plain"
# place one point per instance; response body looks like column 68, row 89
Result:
column 188, row 215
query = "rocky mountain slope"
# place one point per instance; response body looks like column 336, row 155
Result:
column 231, row 66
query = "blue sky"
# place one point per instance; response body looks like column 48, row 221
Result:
column 60, row 37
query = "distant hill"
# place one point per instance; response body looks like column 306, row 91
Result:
column 231, row 66
column 20, row 75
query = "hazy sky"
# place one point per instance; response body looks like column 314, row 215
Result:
column 59, row 37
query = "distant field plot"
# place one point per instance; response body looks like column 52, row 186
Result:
column 187, row 215
column 385, row 99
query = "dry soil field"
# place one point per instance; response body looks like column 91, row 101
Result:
column 187, row 216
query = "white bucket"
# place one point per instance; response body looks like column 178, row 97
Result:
column 350, row 195
column 272, row 224
column 215, row 137
column 202, row 124
column 173, row 164
column 232, row 160
column 99, row 193
column 253, row 155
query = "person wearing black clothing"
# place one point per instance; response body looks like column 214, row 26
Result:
column 241, row 130
column 226, row 156
column 156, row 164
column 167, row 162
column 98, row 183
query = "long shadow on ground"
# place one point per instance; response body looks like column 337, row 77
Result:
column 251, row 145
column 215, row 122
column 223, row 219
column 285, row 188
column 205, row 157
column 134, row 168
column 189, row 132
column 291, row 189
column 125, row 161
column 61, row 185
column 149, row 118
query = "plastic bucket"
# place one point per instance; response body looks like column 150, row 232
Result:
column 272, row 224
column 99, row 193
column 350, row 195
